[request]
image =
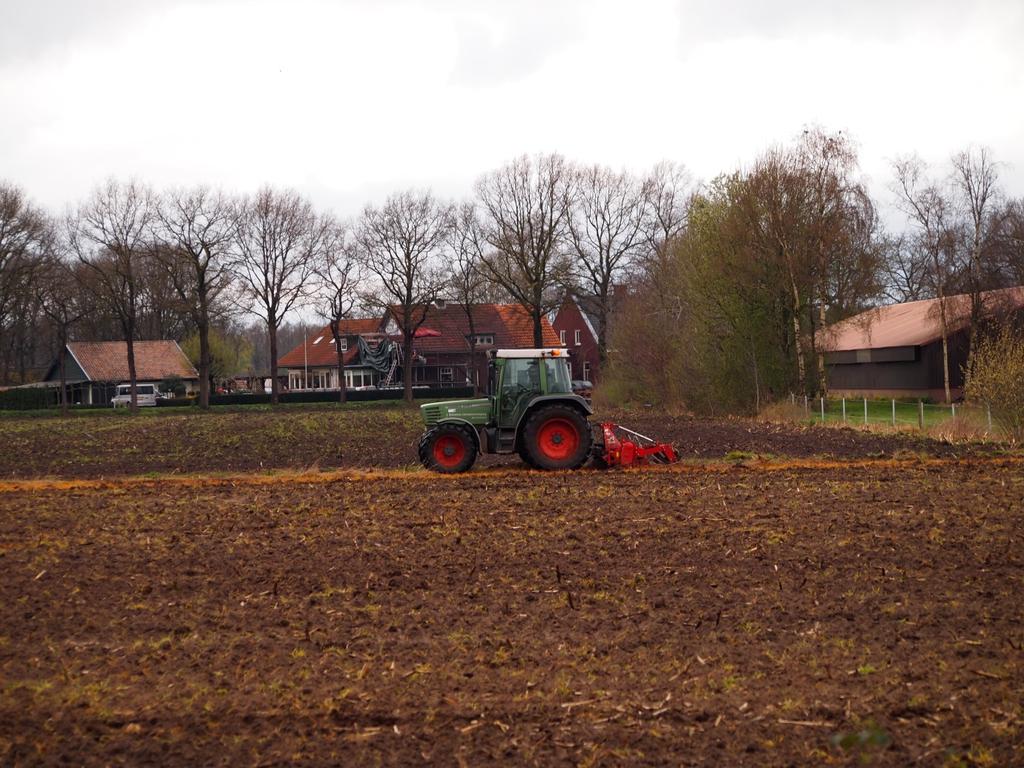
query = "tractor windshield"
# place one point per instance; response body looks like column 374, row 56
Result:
column 558, row 377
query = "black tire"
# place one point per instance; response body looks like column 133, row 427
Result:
column 525, row 456
column 448, row 448
column 597, row 450
column 556, row 437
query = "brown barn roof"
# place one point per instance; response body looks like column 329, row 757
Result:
column 319, row 346
column 511, row 325
column 154, row 360
column 914, row 323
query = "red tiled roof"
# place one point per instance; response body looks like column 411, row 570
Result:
column 914, row 323
column 511, row 325
column 154, row 360
column 319, row 346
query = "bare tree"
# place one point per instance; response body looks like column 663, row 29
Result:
column 24, row 230
column 975, row 179
column 607, row 231
column 1009, row 243
column 109, row 235
column 402, row 243
column 906, row 270
column 526, row 207
column 841, row 225
column 64, row 302
column 930, row 212
column 667, row 191
column 278, row 237
column 468, row 284
column 196, row 230
column 339, row 275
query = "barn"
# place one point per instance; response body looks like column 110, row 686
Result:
column 896, row 350
column 93, row 369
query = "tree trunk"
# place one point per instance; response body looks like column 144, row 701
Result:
column 472, row 349
column 602, row 333
column 473, row 367
column 272, row 330
column 822, row 373
column 945, row 347
column 538, row 330
column 204, row 364
column 801, row 373
column 407, row 365
column 134, row 407
column 62, row 367
column 341, row 361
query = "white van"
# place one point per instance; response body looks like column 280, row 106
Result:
column 145, row 394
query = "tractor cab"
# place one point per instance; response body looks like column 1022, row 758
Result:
column 517, row 377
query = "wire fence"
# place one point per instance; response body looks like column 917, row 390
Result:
column 901, row 414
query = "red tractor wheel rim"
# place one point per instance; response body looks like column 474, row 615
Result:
column 449, row 450
column 558, row 439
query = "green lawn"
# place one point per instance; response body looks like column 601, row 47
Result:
column 894, row 413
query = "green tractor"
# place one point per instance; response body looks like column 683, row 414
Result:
column 530, row 410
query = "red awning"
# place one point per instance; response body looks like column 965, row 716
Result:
column 421, row 333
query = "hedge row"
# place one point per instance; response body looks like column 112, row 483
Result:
column 359, row 396
column 28, row 399
column 37, row 399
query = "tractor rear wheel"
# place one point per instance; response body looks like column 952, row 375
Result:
column 525, row 456
column 556, row 437
column 447, row 448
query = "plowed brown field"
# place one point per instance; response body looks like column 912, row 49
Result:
column 106, row 443
column 787, row 614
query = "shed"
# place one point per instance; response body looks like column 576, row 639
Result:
column 896, row 350
column 93, row 369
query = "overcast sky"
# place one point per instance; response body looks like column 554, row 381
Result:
column 349, row 100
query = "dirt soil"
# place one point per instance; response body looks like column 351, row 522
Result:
column 836, row 615
column 106, row 444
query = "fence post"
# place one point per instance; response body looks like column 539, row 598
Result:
column 823, row 410
column 792, row 397
column 807, row 407
column 865, row 411
column 952, row 407
column 920, row 414
column 894, row 411
column 844, row 410
column 988, row 412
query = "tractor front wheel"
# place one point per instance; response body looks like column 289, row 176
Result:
column 556, row 437
column 447, row 448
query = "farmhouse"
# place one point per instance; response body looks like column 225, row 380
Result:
column 445, row 351
column 577, row 330
column 313, row 364
column 576, row 323
column 896, row 351
column 93, row 369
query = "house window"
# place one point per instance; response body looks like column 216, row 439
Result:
column 561, row 337
column 484, row 339
column 579, row 337
column 358, row 377
column 445, row 375
column 586, row 370
column 344, row 344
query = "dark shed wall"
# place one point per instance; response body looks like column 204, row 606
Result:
column 924, row 372
column 72, row 371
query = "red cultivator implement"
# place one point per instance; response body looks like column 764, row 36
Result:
column 617, row 446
